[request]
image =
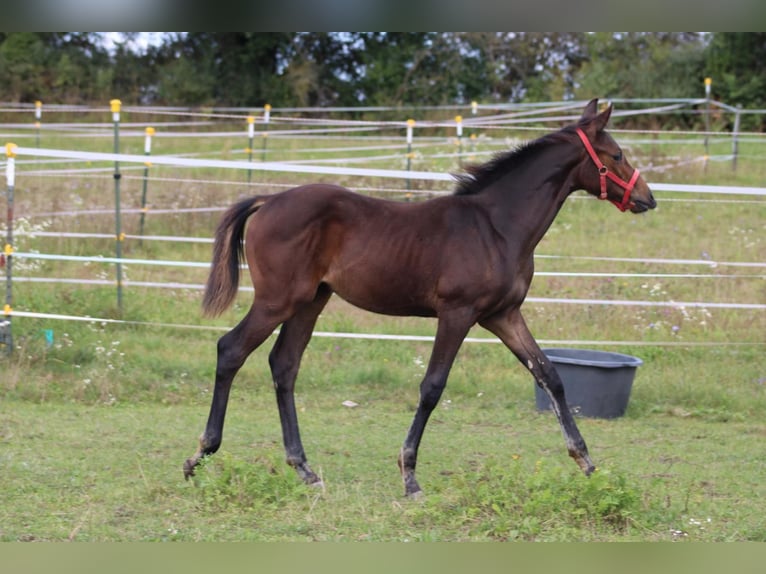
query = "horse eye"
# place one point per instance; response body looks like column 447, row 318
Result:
column 617, row 156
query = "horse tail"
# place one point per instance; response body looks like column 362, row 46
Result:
column 228, row 254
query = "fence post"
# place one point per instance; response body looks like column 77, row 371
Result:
column 474, row 111
column 459, row 133
column 410, row 126
column 265, row 135
column 147, row 165
column 38, row 116
column 118, row 235
column 249, row 150
column 6, row 339
column 735, row 138
column 708, row 83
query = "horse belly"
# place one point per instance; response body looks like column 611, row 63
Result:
column 390, row 285
column 388, row 306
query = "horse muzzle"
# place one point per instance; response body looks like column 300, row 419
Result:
column 640, row 205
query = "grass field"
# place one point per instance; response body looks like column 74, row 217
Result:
column 97, row 419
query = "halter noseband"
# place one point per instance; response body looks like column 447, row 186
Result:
column 604, row 172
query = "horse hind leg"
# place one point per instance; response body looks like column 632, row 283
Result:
column 233, row 349
column 284, row 360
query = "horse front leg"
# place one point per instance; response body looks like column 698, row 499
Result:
column 512, row 330
column 449, row 336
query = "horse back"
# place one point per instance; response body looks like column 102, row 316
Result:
column 389, row 257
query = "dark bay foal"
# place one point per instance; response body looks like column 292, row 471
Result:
column 466, row 258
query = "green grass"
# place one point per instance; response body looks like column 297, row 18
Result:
column 103, row 473
column 95, row 424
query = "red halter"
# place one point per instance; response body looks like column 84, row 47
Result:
column 604, row 172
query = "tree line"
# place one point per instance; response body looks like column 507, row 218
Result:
column 285, row 69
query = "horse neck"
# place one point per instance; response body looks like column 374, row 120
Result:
column 529, row 198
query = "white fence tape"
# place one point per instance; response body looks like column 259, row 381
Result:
column 230, row 164
column 176, row 263
column 328, row 170
column 718, row 189
column 543, row 300
column 99, row 259
column 391, row 337
column 637, row 303
column 706, row 262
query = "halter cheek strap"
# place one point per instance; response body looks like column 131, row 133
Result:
column 604, row 172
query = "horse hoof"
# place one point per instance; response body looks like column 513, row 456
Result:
column 415, row 495
column 189, row 469
column 583, row 461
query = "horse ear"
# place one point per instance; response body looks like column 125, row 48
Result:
column 602, row 119
column 591, row 116
column 590, row 111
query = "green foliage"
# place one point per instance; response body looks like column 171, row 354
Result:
column 736, row 62
column 642, row 65
column 224, row 483
column 181, row 83
column 22, row 66
column 67, row 67
column 510, row 501
column 381, row 68
column 231, row 68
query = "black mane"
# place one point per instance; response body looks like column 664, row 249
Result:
column 478, row 176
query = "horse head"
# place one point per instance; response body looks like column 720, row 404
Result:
column 605, row 171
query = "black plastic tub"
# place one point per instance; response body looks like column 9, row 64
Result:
column 597, row 383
